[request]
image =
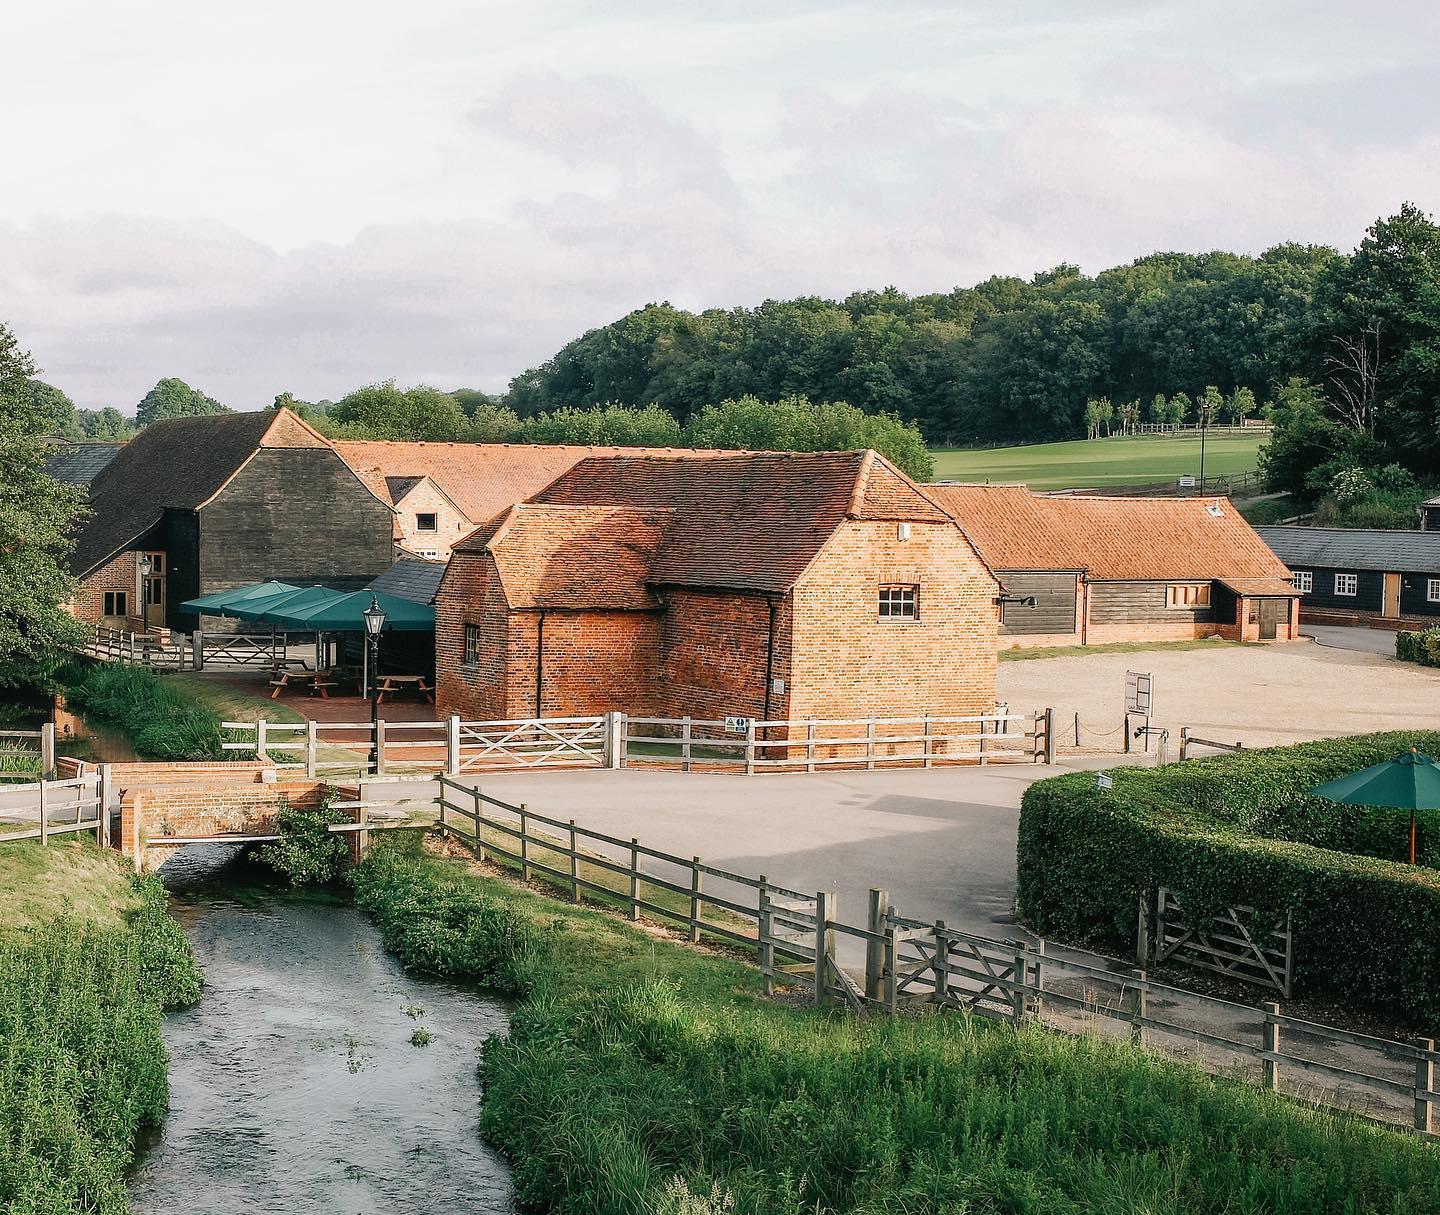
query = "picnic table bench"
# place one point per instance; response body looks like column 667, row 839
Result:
column 313, row 681
column 388, row 685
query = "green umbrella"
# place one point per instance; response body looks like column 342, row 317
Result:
column 264, row 608
column 343, row 613
column 216, row 603
column 1407, row 782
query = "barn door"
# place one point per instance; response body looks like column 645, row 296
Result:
column 1391, row 608
column 1270, row 610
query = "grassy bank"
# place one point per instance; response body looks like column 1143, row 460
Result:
column 1115, row 647
column 89, row 958
column 634, row 1061
column 1119, row 460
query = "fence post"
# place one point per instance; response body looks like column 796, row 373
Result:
column 574, row 866
column 634, row 878
column 825, row 911
column 925, row 745
column 697, row 889
column 197, row 650
column 1017, row 992
column 440, row 787
column 362, row 840
column 1050, row 735
column 615, row 739
column 942, row 963
column 524, row 845
column 892, row 989
column 260, row 739
column 1139, row 1005
column 1142, row 931
column 1270, row 1044
column 1184, row 743
column 750, row 747
column 103, row 790
column 875, row 950
column 452, row 745
column 685, row 744
column 380, row 747
column 1037, row 971
column 810, row 744
column 479, row 836
column 312, row 749
column 982, row 741
column 1424, row 1083
column 47, row 748
column 44, row 811
column 764, row 949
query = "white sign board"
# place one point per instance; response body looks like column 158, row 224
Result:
column 1137, row 693
column 1187, row 482
column 737, row 725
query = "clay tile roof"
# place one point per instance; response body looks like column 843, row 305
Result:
column 574, row 557
column 1116, row 539
column 745, row 521
column 180, row 463
column 482, row 479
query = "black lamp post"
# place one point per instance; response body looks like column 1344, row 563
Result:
column 374, row 621
column 145, row 565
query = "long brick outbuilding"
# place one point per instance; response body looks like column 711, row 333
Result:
column 765, row 585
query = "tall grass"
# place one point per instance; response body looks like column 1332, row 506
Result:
column 633, row 1062
column 159, row 720
column 82, row 1064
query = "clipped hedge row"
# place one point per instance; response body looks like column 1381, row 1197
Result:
column 1422, row 647
column 159, row 721
column 1242, row 829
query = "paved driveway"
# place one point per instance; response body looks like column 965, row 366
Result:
column 1364, row 641
column 941, row 841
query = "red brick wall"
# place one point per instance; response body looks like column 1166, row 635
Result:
column 117, row 575
column 714, row 649
column 847, row 662
column 149, row 814
column 470, row 593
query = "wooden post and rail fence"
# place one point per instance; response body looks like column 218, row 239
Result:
column 617, row 740
column 27, row 754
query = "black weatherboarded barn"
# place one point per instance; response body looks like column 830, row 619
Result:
column 1353, row 576
column 219, row 502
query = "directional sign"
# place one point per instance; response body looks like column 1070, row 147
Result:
column 1137, row 693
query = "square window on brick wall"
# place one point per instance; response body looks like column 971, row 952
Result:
column 900, row 602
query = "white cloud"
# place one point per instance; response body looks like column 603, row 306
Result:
column 308, row 197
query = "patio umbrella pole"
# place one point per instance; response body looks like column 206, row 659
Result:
column 1412, row 837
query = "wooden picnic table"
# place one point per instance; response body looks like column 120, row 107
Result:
column 391, row 684
column 314, row 681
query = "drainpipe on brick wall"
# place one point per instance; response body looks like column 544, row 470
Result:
column 540, row 665
column 769, row 661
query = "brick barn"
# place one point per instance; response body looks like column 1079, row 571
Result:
column 773, row 586
column 1124, row 569
column 217, row 502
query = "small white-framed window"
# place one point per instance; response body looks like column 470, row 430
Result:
column 426, row 522
column 1432, row 590
column 1304, row 581
column 472, row 644
column 900, row 602
column 1188, row 595
column 1347, row 584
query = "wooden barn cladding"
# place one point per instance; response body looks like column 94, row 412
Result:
column 220, row 501
column 741, row 584
column 1124, row 569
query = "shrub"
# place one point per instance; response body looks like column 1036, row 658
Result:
column 83, row 1067
column 307, row 852
column 1422, row 647
column 161, row 722
column 1243, row 830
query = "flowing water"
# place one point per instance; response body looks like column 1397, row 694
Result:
column 294, row 1084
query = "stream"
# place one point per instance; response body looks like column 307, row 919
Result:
column 294, row 1084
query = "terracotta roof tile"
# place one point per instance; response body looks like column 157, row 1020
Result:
column 1111, row 538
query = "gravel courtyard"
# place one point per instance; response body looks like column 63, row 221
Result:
column 1258, row 695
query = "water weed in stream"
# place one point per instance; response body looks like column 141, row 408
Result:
column 643, row 1077
column 82, row 1063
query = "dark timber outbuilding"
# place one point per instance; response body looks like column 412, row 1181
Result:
column 219, row 502
column 1386, row 579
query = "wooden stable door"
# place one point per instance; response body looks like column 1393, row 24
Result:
column 1390, row 608
column 1271, row 613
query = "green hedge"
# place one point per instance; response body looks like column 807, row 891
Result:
column 82, row 1064
column 1242, row 830
column 1422, row 647
column 159, row 721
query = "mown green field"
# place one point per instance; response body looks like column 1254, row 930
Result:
column 1128, row 460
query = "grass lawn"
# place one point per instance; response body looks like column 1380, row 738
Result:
column 72, row 878
column 231, row 702
column 1122, row 460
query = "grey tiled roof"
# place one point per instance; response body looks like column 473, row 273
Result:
column 1409, row 552
column 79, row 463
column 409, row 579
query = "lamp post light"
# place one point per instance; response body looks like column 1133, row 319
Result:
column 374, row 621
column 145, row 565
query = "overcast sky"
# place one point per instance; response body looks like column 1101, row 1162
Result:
column 307, row 196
